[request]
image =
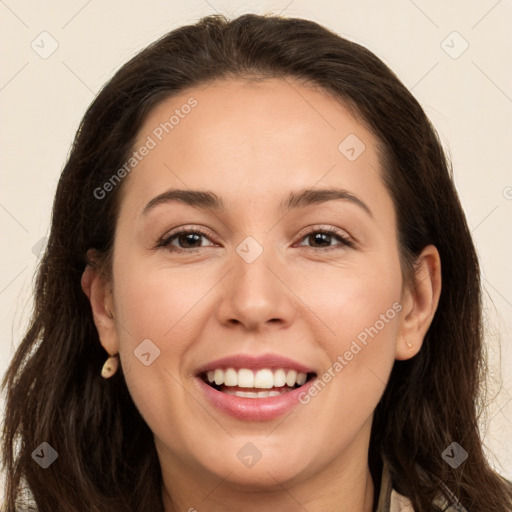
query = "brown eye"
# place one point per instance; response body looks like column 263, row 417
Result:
column 186, row 238
column 324, row 237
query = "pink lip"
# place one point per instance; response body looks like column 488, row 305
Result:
column 253, row 409
column 255, row 363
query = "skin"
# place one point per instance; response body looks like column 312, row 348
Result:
column 252, row 144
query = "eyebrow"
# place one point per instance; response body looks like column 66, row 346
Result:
column 208, row 200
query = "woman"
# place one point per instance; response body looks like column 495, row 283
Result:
column 253, row 369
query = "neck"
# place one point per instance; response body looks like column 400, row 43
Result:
column 344, row 485
column 284, row 500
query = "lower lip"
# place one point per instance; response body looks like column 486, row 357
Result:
column 254, row 409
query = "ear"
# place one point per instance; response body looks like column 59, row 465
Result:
column 419, row 304
column 99, row 293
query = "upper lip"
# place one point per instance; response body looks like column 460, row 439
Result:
column 255, row 363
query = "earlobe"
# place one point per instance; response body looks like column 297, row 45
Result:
column 99, row 294
column 421, row 304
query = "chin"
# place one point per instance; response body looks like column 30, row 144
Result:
column 266, row 478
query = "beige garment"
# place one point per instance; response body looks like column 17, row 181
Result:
column 391, row 501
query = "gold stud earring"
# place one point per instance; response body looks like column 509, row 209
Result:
column 110, row 367
column 409, row 344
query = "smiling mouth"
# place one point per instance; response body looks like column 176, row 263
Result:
column 247, row 383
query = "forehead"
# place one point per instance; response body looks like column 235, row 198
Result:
column 264, row 108
column 268, row 137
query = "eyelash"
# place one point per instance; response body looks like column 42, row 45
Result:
column 166, row 240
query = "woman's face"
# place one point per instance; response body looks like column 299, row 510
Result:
column 263, row 285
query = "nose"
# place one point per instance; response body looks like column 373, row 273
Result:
column 257, row 295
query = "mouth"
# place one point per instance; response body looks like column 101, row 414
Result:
column 252, row 387
column 261, row 383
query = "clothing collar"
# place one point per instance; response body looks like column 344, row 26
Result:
column 391, row 501
column 386, row 489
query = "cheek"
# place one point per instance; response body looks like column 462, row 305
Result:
column 157, row 302
column 361, row 354
column 156, row 328
column 353, row 301
column 359, row 313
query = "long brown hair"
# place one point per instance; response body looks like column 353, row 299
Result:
column 107, row 460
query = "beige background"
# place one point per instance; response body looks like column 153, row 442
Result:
column 467, row 93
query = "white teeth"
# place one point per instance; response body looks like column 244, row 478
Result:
column 291, row 378
column 264, row 379
column 230, row 377
column 245, row 378
column 280, row 378
column 219, row 377
column 261, row 379
column 252, row 394
column 301, row 378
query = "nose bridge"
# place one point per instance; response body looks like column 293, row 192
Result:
column 253, row 278
column 254, row 293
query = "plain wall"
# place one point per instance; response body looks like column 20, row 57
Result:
column 468, row 97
